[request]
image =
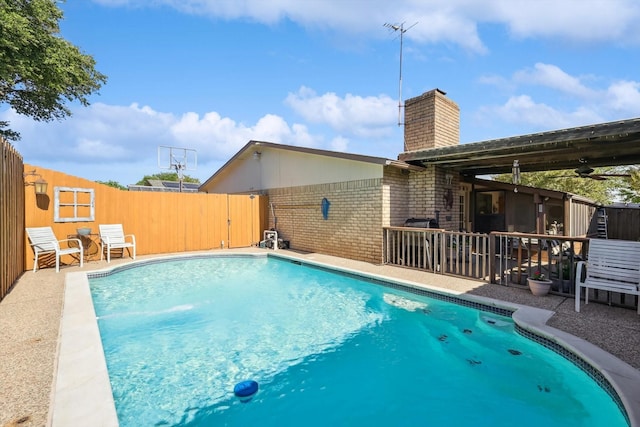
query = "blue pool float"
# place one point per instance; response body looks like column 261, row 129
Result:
column 245, row 390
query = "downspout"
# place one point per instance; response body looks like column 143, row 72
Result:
column 273, row 214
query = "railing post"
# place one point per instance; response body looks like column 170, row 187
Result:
column 492, row 258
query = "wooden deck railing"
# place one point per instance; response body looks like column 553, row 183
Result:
column 501, row 258
column 519, row 255
column 438, row 251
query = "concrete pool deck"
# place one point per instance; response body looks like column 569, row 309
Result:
column 31, row 315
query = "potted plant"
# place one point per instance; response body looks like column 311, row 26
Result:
column 538, row 283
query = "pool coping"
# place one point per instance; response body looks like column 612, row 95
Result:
column 82, row 392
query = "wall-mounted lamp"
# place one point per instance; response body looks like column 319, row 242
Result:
column 448, row 178
column 40, row 185
column 256, row 155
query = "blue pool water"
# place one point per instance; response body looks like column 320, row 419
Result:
column 327, row 350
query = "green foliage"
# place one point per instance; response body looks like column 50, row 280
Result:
column 631, row 193
column 567, row 181
column 166, row 176
column 40, row 71
column 114, row 184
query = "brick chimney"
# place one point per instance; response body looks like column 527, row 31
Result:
column 431, row 120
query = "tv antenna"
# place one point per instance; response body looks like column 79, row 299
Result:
column 402, row 30
column 178, row 159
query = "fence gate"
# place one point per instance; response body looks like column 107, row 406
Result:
column 243, row 220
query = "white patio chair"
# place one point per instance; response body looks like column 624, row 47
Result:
column 44, row 241
column 112, row 237
column 612, row 265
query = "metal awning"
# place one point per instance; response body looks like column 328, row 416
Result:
column 606, row 144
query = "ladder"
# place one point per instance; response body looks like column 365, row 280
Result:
column 602, row 223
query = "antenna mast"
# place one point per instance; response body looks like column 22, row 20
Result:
column 402, row 30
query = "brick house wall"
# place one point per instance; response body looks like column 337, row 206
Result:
column 430, row 196
column 354, row 226
column 358, row 211
column 395, row 197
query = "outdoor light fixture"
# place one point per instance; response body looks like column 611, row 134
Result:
column 448, row 179
column 256, row 155
column 515, row 171
column 39, row 185
column 515, row 174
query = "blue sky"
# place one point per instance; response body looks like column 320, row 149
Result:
column 210, row 75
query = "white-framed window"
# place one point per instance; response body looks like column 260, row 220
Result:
column 74, row 204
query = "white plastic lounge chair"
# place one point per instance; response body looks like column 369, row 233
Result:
column 112, row 237
column 44, row 241
column 612, row 265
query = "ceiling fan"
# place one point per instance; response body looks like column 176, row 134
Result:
column 585, row 171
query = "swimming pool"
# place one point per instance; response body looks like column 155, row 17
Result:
column 326, row 348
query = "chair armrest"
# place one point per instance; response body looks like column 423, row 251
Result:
column 580, row 266
column 69, row 240
column 133, row 238
column 106, row 239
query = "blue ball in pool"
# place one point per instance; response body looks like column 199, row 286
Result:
column 245, row 390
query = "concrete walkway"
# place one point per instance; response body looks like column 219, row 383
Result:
column 30, row 322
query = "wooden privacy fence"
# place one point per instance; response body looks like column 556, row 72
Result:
column 161, row 222
column 623, row 223
column 11, row 216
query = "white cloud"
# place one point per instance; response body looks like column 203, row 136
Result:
column 581, row 104
column 523, row 109
column 368, row 117
column 211, row 135
column 624, row 96
column 339, row 144
column 430, row 22
column 453, row 21
column 96, row 133
column 102, row 133
column 92, row 149
column 126, row 137
column 552, row 76
column 497, row 81
column 273, row 128
column 573, row 20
